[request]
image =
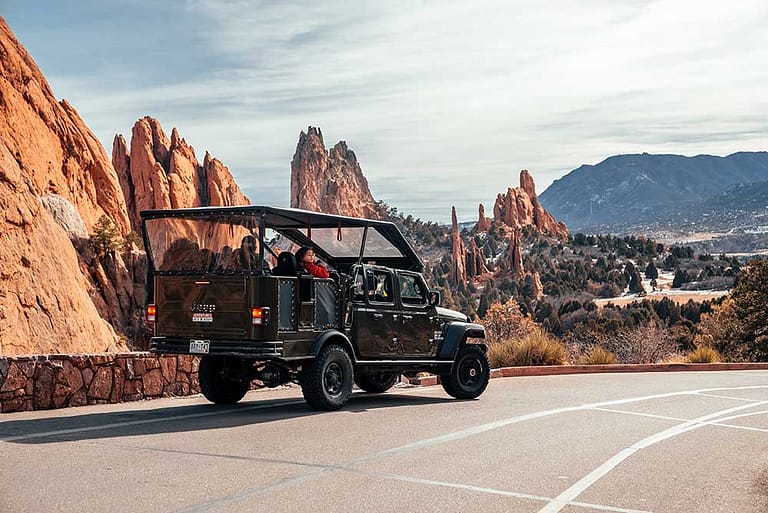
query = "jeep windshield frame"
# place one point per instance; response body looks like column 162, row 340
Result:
column 338, row 240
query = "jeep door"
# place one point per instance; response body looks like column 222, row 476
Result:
column 375, row 317
column 416, row 316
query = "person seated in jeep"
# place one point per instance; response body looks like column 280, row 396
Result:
column 305, row 257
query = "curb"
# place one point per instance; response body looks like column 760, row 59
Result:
column 555, row 370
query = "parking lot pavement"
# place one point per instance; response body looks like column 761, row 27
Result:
column 600, row 442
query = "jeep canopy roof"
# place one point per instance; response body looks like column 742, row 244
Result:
column 207, row 233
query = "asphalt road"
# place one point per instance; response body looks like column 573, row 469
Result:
column 666, row 442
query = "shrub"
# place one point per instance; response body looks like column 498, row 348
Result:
column 536, row 348
column 598, row 356
column 704, row 354
column 506, row 322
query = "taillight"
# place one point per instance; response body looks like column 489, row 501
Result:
column 151, row 313
column 260, row 316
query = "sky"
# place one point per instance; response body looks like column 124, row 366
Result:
column 443, row 102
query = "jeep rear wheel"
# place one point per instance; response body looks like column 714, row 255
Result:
column 470, row 374
column 377, row 382
column 326, row 382
column 217, row 383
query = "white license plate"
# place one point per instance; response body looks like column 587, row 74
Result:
column 202, row 317
column 199, row 346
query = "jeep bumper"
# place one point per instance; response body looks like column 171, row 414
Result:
column 247, row 348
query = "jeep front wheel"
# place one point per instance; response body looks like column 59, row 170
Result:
column 218, row 384
column 326, row 381
column 470, row 374
column 377, row 382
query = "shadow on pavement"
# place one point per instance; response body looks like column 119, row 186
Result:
column 182, row 419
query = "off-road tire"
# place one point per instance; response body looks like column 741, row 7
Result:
column 377, row 382
column 470, row 374
column 326, row 381
column 216, row 385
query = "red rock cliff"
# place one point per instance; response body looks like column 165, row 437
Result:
column 329, row 181
column 47, row 151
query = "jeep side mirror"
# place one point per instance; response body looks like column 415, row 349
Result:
column 434, row 298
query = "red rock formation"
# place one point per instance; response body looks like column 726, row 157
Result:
column 330, row 182
column 520, row 207
column 458, row 253
column 516, row 255
column 58, row 154
column 483, row 222
column 475, row 260
column 46, row 149
column 159, row 173
column 538, row 288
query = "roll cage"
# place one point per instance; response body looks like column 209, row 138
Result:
column 339, row 240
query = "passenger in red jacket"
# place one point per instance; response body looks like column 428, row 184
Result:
column 306, row 259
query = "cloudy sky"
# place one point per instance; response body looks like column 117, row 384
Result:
column 442, row 101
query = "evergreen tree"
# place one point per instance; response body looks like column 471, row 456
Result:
column 750, row 302
column 651, row 272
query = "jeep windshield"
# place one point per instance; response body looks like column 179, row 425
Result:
column 240, row 239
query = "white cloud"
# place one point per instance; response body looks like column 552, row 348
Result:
column 443, row 102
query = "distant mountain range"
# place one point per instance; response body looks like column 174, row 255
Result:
column 629, row 192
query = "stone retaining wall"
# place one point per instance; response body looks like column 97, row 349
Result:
column 59, row 381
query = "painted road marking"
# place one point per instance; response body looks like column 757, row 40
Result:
column 581, row 485
column 718, row 423
column 492, row 491
column 458, row 435
column 728, row 397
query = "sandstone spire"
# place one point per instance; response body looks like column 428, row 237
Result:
column 160, row 173
column 520, row 207
column 516, row 255
column 458, row 253
column 329, row 181
column 483, row 222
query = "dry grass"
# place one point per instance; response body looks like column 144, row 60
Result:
column 536, row 348
column 598, row 356
column 705, row 354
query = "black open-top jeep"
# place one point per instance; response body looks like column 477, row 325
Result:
column 220, row 287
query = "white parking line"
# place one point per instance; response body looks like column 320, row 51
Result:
column 581, row 485
column 728, row 397
column 494, row 491
column 718, row 423
column 458, row 435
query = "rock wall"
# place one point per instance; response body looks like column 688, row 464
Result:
column 58, row 381
column 329, row 181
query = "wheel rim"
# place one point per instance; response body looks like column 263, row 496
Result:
column 470, row 372
column 333, row 379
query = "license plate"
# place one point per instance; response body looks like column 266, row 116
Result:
column 199, row 346
column 202, row 317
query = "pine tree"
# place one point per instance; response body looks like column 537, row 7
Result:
column 750, row 301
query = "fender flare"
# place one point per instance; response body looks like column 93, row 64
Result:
column 456, row 335
column 332, row 336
